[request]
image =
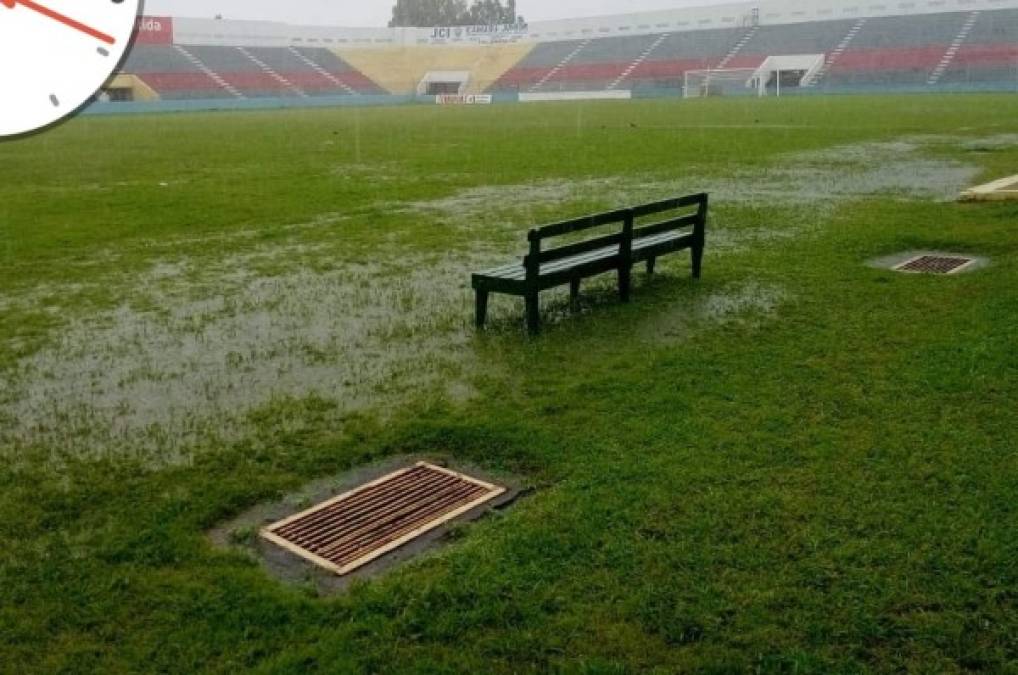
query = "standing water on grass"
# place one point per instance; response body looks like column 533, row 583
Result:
column 238, row 286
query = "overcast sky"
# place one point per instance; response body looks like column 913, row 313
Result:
column 377, row 12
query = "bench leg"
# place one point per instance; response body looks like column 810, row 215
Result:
column 533, row 313
column 625, row 282
column 697, row 261
column 574, row 292
column 651, row 263
column 482, row 308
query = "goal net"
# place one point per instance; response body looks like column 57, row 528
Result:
column 722, row 82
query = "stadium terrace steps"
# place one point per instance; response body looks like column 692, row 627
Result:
column 737, row 47
column 909, row 31
column 952, row 51
column 243, row 74
column 211, row 74
column 535, row 66
column 557, row 68
column 169, row 74
column 636, row 62
column 265, row 68
column 887, row 66
column 157, row 59
column 804, row 38
column 799, row 38
column 184, row 86
column 664, row 73
column 990, row 52
column 313, row 65
column 706, row 47
column 833, row 57
column 995, row 27
column 975, row 49
column 198, row 72
column 984, row 63
column 352, row 79
column 619, row 50
column 400, row 69
column 604, row 60
column 898, row 50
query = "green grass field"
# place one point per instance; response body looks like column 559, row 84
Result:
column 800, row 464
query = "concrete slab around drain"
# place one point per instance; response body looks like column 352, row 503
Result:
column 1005, row 189
column 242, row 533
column 894, row 261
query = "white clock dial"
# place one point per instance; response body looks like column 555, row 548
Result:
column 55, row 55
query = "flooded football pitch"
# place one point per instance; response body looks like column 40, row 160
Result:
column 193, row 346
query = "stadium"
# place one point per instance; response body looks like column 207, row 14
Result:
column 829, row 47
column 672, row 341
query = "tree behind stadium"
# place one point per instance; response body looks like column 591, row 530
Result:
column 417, row 13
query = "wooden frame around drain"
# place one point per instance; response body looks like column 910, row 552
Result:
column 268, row 533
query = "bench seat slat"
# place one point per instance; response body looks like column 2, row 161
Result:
column 516, row 271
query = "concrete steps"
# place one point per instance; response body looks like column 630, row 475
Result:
column 833, row 57
column 561, row 64
column 267, row 69
column 213, row 75
column 730, row 56
column 952, row 50
column 639, row 60
column 321, row 71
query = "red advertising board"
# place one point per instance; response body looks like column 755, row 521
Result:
column 154, row 30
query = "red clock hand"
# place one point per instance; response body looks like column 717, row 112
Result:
column 57, row 16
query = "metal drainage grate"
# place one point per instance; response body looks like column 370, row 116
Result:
column 359, row 526
column 935, row 264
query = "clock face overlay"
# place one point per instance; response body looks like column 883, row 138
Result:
column 55, row 54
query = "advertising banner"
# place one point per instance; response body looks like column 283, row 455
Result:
column 464, row 99
column 154, row 30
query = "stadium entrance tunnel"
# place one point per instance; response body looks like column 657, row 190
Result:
column 444, row 83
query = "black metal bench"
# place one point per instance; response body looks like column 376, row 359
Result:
column 570, row 263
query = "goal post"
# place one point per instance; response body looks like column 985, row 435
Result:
column 722, row 82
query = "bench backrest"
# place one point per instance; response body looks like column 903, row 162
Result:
column 623, row 238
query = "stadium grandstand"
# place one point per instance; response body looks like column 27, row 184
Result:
column 834, row 47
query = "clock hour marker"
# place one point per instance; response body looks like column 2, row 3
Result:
column 54, row 100
column 103, row 51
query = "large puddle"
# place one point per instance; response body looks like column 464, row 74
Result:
column 181, row 362
column 195, row 347
column 806, row 186
column 897, row 169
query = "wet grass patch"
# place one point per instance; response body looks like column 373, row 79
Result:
column 786, row 466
